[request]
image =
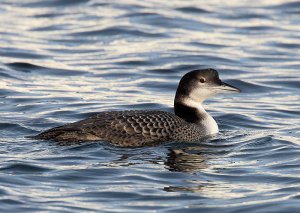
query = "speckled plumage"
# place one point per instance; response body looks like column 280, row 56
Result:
column 127, row 129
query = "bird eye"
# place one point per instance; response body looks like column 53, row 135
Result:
column 202, row 80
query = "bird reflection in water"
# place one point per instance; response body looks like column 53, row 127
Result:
column 190, row 159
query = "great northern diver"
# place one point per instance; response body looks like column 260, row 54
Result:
column 137, row 128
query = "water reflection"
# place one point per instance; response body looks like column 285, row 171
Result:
column 181, row 160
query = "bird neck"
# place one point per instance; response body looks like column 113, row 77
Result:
column 190, row 111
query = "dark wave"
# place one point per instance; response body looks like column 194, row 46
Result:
column 249, row 87
column 142, row 15
column 31, row 68
column 55, row 3
column 114, row 31
column 285, row 45
column 24, row 168
column 135, row 63
column 196, row 10
column 49, row 28
column 208, row 45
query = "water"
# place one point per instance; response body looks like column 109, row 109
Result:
column 62, row 61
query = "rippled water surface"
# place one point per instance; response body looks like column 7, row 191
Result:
column 62, row 61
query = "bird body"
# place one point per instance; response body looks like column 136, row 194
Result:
column 135, row 128
column 132, row 128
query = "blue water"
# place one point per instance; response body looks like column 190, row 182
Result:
column 62, row 61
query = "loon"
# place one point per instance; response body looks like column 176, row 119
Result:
column 136, row 128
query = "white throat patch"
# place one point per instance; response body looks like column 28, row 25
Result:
column 209, row 124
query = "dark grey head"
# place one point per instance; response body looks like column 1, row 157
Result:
column 198, row 85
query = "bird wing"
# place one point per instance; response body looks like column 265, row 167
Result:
column 134, row 128
column 121, row 128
